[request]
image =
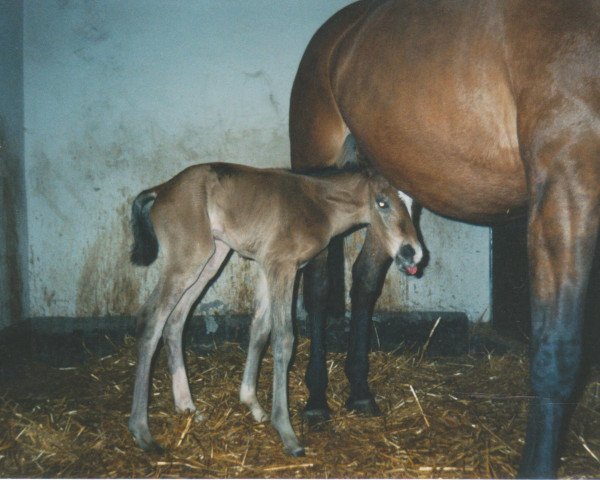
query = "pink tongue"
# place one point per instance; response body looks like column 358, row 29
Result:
column 411, row 270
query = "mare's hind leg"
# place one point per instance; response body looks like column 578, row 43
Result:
column 368, row 274
column 259, row 334
column 172, row 333
column 168, row 293
column 564, row 181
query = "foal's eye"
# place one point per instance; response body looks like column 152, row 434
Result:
column 381, row 203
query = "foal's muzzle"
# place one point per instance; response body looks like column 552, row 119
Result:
column 408, row 257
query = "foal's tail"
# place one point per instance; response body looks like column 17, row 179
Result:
column 145, row 244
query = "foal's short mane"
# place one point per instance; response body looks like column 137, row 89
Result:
column 223, row 170
column 227, row 170
column 327, row 171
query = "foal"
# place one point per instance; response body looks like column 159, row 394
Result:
column 278, row 218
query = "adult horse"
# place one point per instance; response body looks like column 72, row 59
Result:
column 481, row 111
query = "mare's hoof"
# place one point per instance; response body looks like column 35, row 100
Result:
column 366, row 406
column 296, row 452
column 525, row 472
column 316, row 418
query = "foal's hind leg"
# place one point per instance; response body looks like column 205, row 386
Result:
column 168, row 293
column 368, row 274
column 188, row 247
column 259, row 334
column 172, row 333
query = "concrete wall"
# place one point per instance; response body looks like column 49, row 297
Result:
column 13, row 236
column 122, row 95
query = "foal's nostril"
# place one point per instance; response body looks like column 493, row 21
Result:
column 407, row 252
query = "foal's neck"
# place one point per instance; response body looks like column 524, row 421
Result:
column 346, row 200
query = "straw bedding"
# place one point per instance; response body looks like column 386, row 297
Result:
column 451, row 417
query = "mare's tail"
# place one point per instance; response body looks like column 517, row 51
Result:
column 145, row 244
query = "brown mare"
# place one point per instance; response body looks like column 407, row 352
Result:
column 481, row 111
column 277, row 218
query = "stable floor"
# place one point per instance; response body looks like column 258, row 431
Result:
column 453, row 417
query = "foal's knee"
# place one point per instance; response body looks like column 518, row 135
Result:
column 282, row 349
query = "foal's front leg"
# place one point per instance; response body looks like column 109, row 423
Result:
column 259, row 334
column 282, row 342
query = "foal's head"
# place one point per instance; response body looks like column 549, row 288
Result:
column 391, row 222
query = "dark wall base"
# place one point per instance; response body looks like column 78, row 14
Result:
column 64, row 342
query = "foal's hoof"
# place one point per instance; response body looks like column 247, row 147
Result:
column 365, row 406
column 198, row 417
column 144, row 440
column 150, row 446
column 316, row 418
column 296, row 452
column 155, row 448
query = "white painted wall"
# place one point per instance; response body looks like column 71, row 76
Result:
column 121, row 95
column 13, row 234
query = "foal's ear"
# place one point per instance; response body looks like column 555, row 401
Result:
column 373, row 174
column 370, row 172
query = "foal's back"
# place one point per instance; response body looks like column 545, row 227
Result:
column 257, row 212
column 268, row 211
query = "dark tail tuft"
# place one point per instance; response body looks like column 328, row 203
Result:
column 145, row 244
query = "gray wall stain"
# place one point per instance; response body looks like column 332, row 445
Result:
column 108, row 283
